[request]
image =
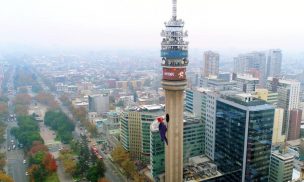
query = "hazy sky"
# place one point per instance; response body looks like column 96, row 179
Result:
column 212, row 24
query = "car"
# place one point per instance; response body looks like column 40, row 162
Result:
column 12, row 141
column 9, row 148
column 24, row 161
column 26, row 173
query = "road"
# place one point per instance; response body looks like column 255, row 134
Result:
column 15, row 166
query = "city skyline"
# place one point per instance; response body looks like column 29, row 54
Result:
column 135, row 24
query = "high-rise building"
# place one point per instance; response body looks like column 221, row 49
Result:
column 274, row 63
column 193, row 145
column 294, row 128
column 201, row 102
column 174, row 53
column 247, row 83
column 281, row 166
column 243, row 137
column 99, row 103
column 211, row 64
column 253, row 63
column 135, row 130
column 288, row 96
column 277, row 136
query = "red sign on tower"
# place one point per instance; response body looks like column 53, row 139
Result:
column 174, row 74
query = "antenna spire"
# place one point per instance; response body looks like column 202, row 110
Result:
column 174, row 2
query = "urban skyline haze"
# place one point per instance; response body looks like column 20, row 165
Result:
column 213, row 24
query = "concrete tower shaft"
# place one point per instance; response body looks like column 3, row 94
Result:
column 174, row 53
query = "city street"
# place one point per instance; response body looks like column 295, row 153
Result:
column 15, row 166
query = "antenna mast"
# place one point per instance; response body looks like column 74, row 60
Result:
column 174, row 2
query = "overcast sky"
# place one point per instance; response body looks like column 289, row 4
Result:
column 212, row 24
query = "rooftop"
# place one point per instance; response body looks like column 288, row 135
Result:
column 282, row 156
column 285, row 81
column 247, row 77
column 200, row 168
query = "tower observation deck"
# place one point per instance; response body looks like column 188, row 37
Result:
column 174, row 49
column 174, row 55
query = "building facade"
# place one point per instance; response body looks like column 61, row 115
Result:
column 243, row 138
column 294, row 128
column 274, row 63
column 99, row 103
column 281, row 166
column 277, row 136
column 268, row 96
column 247, row 83
column 211, row 64
column 135, row 130
column 201, row 103
column 254, row 63
column 288, row 97
column 217, row 84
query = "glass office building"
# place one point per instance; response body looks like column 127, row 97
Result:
column 243, row 137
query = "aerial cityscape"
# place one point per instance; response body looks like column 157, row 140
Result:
column 104, row 91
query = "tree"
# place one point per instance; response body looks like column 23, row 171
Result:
column 49, row 163
column 65, row 99
column 119, row 154
column 27, row 132
column 37, row 158
column 92, row 129
column 23, row 99
column 3, row 109
column 2, row 161
column 60, row 122
column 102, row 180
column 37, row 173
column 92, row 174
column 5, row 178
column 80, row 114
column 138, row 178
column 21, row 109
column 38, row 146
column 67, row 158
column 101, row 168
column 129, row 167
column 83, row 158
column 47, row 99
column 69, row 166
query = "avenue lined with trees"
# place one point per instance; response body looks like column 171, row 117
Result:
column 60, row 122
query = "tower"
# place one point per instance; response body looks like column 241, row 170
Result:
column 174, row 53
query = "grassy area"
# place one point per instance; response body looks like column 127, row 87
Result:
column 52, row 178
